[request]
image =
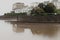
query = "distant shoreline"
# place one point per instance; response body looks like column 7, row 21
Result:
column 32, row 19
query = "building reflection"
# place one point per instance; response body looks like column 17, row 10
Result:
column 36, row 28
column 16, row 28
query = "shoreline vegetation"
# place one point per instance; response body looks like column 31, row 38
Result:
column 42, row 13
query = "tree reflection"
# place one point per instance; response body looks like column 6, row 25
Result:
column 36, row 28
column 48, row 30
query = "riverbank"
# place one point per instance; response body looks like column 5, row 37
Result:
column 33, row 19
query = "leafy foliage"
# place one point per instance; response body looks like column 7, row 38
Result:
column 41, row 5
column 37, row 11
column 15, row 14
column 43, row 9
column 50, row 8
column 58, row 11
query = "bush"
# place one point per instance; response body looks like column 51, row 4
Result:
column 15, row 14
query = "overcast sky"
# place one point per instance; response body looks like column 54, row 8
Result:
column 6, row 5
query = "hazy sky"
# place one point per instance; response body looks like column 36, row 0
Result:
column 6, row 5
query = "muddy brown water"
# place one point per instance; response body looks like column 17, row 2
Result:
column 29, row 31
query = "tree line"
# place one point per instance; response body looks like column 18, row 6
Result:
column 41, row 9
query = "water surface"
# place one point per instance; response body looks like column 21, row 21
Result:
column 29, row 31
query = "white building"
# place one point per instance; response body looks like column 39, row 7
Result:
column 19, row 7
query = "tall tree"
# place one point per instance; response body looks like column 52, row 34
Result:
column 50, row 8
column 41, row 5
column 37, row 11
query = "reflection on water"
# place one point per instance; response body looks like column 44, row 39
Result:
column 16, row 28
column 49, row 29
column 32, row 31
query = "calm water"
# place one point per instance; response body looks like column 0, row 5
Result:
column 29, row 31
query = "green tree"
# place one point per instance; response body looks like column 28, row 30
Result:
column 37, row 11
column 58, row 11
column 41, row 5
column 50, row 8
